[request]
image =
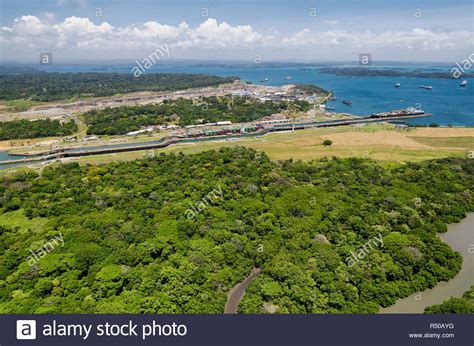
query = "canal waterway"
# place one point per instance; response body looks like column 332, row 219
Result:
column 460, row 236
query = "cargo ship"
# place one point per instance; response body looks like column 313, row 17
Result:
column 429, row 87
column 398, row 113
column 325, row 107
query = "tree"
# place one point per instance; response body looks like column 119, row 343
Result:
column 327, row 142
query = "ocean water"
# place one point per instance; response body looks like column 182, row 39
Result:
column 448, row 103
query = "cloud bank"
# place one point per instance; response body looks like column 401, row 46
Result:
column 30, row 33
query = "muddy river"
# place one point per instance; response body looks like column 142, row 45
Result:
column 460, row 237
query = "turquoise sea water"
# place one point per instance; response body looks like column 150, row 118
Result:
column 447, row 101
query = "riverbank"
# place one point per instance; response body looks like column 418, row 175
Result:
column 238, row 291
column 460, row 237
column 447, row 101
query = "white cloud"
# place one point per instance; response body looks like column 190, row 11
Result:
column 74, row 26
column 30, row 26
column 87, row 38
column 151, row 31
column 417, row 38
column 211, row 34
column 81, row 32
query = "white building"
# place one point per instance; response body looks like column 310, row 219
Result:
column 134, row 133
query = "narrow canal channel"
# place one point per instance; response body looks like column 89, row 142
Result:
column 164, row 142
column 238, row 291
column 460, row 237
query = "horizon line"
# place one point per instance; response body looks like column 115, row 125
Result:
column 170, row 61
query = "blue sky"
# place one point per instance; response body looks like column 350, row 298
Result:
column 428, row 30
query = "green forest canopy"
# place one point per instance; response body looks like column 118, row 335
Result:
column 24, row 129
column 121, row 120
column 463, row 305
column 130, row 245
column 55, row 86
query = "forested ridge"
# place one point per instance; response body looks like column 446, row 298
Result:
column 375, row 72
column 24, row 129
column 55, row 86
column 130, row 245
column 120, row 120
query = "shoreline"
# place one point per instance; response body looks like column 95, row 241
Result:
column 416, row 302
column 460, row 237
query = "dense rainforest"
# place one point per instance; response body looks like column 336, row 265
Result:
column 120, row 120
column 173, row 233
column 43, row 86
column 463, row 305
column 24, row 129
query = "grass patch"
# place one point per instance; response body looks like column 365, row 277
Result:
column 18, row 219
column 21, row 105
column 447, row 142
column 380, row 142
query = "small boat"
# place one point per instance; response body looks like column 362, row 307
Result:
column 463, row 83
column 288, row 77
column 397, row 85
column 347, row 102
column 333, row 98
column 330, row 108
column 429, row 87
column 264, row 80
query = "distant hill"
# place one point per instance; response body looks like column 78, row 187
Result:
column 368, row 72
column 42, row 86
column 18, row 69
